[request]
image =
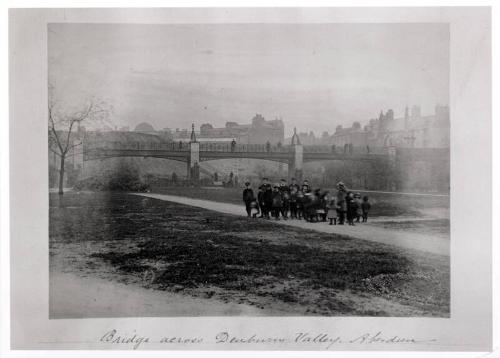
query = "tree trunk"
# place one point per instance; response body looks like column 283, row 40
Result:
column 61, row 175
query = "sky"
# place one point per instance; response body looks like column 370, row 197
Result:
column 313, row 76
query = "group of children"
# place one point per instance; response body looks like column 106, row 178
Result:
column 301, row 202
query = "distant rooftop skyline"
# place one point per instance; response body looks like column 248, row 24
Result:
column 313, row 76
column 299, row 130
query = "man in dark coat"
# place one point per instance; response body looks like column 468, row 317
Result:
column 248, row 197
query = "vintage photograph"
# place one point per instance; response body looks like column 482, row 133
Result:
column 252, row 169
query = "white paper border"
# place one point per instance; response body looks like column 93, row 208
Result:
column 471, row 234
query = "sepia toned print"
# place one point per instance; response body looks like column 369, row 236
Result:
column 249, row 170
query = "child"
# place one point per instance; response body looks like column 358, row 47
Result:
column 310, row 203
column 351, row 208
column 268, row 200
column 365, row 207
column 254, row 208
column 321, row 206
column 248, row 197
column 277, row 202
column 260, row 198
column 359, row 212
column 300, row 204
column 341, row 202
column 293, row 203
column 331, row 207
column 285, row 197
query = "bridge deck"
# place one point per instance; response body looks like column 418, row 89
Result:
column 205, row 155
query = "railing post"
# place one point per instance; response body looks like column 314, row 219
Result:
column 297, row 161
column 193, row 172
column 392, row 155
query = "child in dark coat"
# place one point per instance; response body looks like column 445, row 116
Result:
column 359, row 212
column 341, row 202
column 321, row 205
column 285, row 197
column 248, row 197
column 300, row 204
column 268, row 200
column 262, row 204
column 365, row 207
column 293, row 203
column 351, row 208
column 277, row 202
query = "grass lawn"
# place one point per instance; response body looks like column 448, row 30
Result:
column 201, row 253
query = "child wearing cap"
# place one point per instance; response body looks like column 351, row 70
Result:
column 248, row 197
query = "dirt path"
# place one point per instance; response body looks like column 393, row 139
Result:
column 400, row 193
column 74, row 296
column 409, row 240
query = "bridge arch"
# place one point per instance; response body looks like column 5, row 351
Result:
column 213, row 168
column 204, row 159
column 104, row 157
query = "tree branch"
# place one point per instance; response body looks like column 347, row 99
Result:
column 74, row 145
column 78, row 119
column 95, row 110
column 53, row 129
column 53, row 151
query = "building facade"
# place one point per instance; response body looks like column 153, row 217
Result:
column 410, row 131
column 259, row 131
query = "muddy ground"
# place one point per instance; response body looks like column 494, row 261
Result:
column 163, row 246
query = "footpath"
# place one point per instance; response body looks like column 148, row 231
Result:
column 74, row 296
column 400, row 238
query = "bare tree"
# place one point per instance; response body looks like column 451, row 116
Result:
column 62, row 122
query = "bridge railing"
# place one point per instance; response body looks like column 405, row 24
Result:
column 244, row 148
column 343, row 149
column 229, row 147
column 168, row 146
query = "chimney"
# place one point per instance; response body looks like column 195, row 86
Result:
column 407, row 118
column 390, row 115
column 415, row 112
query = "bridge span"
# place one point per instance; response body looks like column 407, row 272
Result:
column 294, row 154
column 194, row 152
